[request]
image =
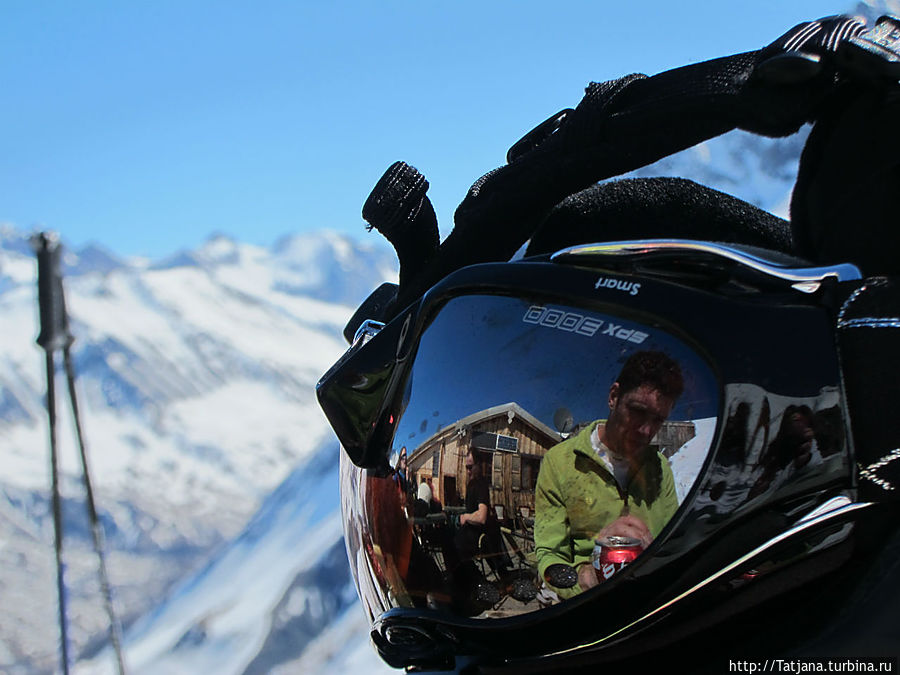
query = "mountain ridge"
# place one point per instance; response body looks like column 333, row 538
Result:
column 196, row 385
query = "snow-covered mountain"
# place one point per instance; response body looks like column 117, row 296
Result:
column 196, row 380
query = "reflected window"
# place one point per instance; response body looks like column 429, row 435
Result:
column 530, row 465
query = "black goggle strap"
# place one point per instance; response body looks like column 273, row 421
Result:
column 868, row 334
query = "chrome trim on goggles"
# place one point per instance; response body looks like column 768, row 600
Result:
column 805, row 280
column 839, row 502
column 366, row 331
column 834, row 508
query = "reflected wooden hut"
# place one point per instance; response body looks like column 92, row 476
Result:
column 509, row 442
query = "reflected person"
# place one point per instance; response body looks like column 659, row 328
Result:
column 606, row 480
column 478, row 503
column 463, row 575
column 400, row 473
column 792, row 448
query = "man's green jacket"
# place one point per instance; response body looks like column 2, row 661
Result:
column 576, row 496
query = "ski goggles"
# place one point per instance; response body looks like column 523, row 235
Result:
column 500, row 363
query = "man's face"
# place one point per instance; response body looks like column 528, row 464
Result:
column 634, row 418
column 470, row 464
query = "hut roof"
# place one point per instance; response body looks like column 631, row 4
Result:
column 510, row 410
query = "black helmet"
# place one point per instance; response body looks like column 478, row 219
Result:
column 646, row 447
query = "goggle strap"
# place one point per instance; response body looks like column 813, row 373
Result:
column 868, row 333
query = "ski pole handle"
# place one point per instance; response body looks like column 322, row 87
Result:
column 51, row 302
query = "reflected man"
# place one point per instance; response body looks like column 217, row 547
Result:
column 478, row 503
column 606, row 480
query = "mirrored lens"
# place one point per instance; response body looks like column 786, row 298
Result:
column 538, row 449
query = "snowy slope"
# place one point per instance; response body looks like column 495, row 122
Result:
column 756, row 169
column 277, row 598
column 196, row 382
column 213, row 619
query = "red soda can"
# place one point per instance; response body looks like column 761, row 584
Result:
column 613, row 553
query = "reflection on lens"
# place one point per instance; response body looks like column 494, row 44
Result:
column 607, row 482
column 525, row 434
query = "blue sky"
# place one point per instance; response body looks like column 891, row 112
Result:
column 146, row 126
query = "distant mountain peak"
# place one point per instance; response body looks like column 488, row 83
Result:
column 220, row 249
column 875, row 8
column 14, row 240
column 91, row 258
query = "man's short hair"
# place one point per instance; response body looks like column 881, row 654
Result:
column 655, row 369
